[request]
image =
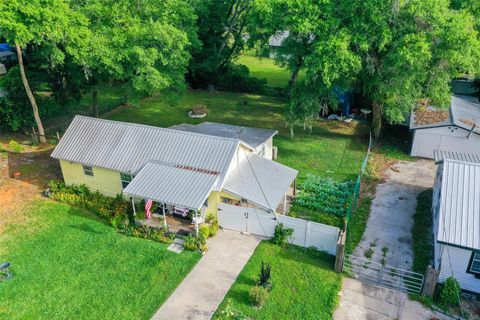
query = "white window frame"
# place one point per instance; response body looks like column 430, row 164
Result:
column 88, row 170
column 475, row 258
column 123, row 181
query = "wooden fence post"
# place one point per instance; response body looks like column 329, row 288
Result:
column 430, row 282
column 340, row 252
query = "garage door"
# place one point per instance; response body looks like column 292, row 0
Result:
column 251, row 220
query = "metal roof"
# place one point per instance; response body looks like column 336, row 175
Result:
column 127, row 147
column 277, row 39
column 261, row 181
column 251, row 136
column 441, row 155
column 173, row 185
column 459, row 217
column 464, row 112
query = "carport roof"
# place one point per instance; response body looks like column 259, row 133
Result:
column 261, row 181
column 175, row 185
column 441, row 155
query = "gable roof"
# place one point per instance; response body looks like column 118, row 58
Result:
column 464, row 111
column 459, row 217
column 127, row 147
column 174, row 185
column 251, row 136
column 442, row 155
column 261, row 181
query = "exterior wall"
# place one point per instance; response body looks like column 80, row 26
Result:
column 450, row 138
column 104, row 181
column 458, row 259
column 436, row 198
column 215, row 198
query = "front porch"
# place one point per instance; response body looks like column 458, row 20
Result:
column 175, row 224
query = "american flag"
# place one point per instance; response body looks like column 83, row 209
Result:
column 148, row 206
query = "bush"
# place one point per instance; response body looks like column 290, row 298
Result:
column 193, row 243
column 450, row 294
column 15, row 147
column 264, row 276
column 230, row 312
column 214, row 228
column 281, row 235
column 258, row 296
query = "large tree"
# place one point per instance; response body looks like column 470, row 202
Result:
column 38, row 22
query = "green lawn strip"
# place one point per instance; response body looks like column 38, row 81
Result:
column 422, row 232
column 71, row 265
column 358, row 223
column 304, row 284
column 316, row 216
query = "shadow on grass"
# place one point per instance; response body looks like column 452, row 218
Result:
column 86, row 228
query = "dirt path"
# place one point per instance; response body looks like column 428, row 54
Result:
column 388, row 237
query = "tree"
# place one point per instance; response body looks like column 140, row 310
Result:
column 221, row 26
column 37, row 22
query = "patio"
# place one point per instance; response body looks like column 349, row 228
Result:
column 175, row 224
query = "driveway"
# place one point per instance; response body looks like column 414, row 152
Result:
column 204, row 288
column 388, row 234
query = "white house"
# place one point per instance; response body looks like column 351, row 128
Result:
column 259, row 139
column 456, row 218
column 457, row 129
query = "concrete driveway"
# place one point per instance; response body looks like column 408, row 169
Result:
column 388, row 235
column 204, row 288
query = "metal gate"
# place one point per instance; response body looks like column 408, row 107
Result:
column 375, row 273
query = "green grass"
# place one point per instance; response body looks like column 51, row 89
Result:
column 358, row 223
column 304, row 284
column 265, row 68
column 69, row 265
column 421, row 232
column 332, row 150
column 316, row 216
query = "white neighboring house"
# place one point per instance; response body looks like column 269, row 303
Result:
column 276, row 41
column 259, row 139
column 460, row 132
column 456, row 218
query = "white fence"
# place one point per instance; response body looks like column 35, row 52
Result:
column 256, row 221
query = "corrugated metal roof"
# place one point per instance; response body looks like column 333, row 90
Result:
column 251, row 136
column 441, row 155
column 127, row 147
column 459, row 217
column 261, row 181
column 172, row 185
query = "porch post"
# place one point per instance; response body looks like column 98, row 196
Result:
column 133, row 206
column 164, row 217
column 196, row 223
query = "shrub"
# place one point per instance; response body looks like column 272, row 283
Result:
column 214, row 228
column 450, row 294
column 230, row 312
column 193, row 243
column 204, row 231
column 281, row 235
column 15, row 147
column 258, row 296
column 264, row 276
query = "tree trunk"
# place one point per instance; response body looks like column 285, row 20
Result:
column 377, row 120
column 95, row 101
column 292, row 80
column 36, row 114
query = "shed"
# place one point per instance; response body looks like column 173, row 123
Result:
column 456, row 129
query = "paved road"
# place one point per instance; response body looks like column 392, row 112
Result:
column 200, row 293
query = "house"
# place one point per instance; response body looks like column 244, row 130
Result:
column 456, row 218
column 276, row 41
column 456, row 129
column 179, row 169
column 259, row 139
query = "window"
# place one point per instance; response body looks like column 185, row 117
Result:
column 88, row 171
column 126, row 179
column 474, row 266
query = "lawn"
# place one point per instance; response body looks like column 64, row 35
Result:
column 69, row 265
column 265, row 68
column 332, row 150
column 304, row 285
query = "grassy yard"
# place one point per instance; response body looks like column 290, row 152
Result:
column 265, row 68
column 69, row 265
column 304, row 285
column 332, row 149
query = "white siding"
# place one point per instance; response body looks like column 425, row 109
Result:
column 458, row 259
column 443, row 138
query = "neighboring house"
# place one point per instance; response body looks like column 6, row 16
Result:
column 456, row 129
column 259, row 139
column 276, row 41
column 456, row 218
column 178, row 168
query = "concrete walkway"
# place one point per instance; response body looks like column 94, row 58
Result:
column 391, row 217
column 200, row 293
